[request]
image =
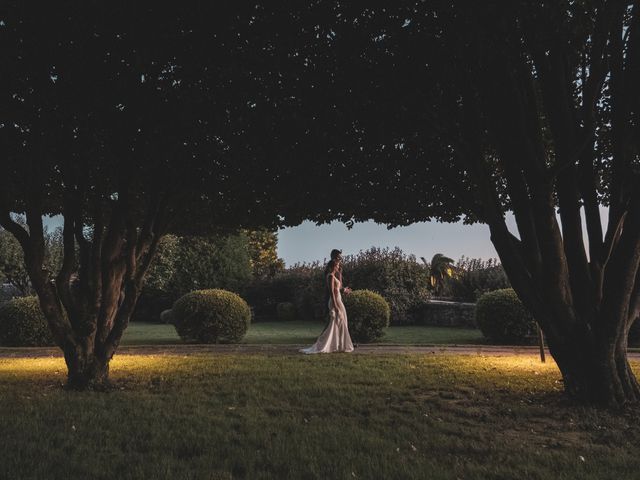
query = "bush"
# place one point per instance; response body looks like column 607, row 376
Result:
column 22, row 324
column 211, row 316
column 398, row 277
column 12, row 266
column 475, row 277
column 368, row 315
column 301, row 285
column 187, row 263
column 213, row 262
column 286, row 311
column 503, row 318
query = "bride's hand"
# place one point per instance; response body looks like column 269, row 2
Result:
column 347, row 290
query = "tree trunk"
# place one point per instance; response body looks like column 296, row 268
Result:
column 86, row 370
column 595, row 372
column 96, row 342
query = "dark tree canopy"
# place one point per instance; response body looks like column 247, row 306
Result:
column 137, row 120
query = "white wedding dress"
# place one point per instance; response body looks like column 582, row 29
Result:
column 334, row 338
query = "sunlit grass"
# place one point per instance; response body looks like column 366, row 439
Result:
column 295, row 416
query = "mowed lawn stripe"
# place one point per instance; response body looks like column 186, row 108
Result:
column 301, row 332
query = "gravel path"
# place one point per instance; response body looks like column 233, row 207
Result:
column 379, row 349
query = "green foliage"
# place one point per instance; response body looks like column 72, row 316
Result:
column 12, row 267
column 286, row 311
column 22, row 324
column 184, row 264
column 216, row 261
column 302, row 285
column 227, row 261
column 54, row 249
column 164, row 264
column 211, row 316
column 503, row 318
column 156, row 295
column 441, row 269
column 368, row 315
column 474, row 277
column 398, row 277
column 263, row 250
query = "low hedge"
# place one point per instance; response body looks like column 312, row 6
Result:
column 22, row 324
column 367, row 314
column 211, row 316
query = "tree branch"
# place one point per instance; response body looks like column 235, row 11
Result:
column 14, row 228
column 634, row 304
column 63, row 278
column 621, row 275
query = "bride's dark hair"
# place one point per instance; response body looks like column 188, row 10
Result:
column 329, row 268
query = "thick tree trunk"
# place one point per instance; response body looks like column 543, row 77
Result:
column 594, row 370
column 590, row 350
column 86, row 370
column 96, row 340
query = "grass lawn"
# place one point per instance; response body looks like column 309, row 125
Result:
column 139, row 333
column 306, row 417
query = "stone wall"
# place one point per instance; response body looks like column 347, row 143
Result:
column 438, row 313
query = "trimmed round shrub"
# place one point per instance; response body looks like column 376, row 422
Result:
column 211, row 316
column 503, row 318
column 286, row 311
column 368, row 315
column 22, row 324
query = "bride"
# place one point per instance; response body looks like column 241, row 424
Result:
column 335, row 337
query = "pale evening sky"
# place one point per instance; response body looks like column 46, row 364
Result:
column 308, row 242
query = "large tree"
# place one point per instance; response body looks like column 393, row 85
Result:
column 130, row 123
column 475, row 109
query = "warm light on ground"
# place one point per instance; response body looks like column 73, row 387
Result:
column 131, row 363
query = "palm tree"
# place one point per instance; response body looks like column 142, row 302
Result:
column 441, row 268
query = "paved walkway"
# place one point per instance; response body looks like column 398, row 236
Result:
column 378, row 349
